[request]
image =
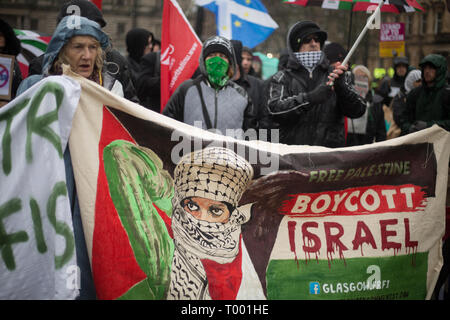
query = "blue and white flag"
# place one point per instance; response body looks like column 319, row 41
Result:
column 244, row 20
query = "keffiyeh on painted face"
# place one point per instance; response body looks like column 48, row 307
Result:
column 309, row 59
column 217, row 69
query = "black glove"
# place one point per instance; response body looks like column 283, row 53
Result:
column 320, row 94
column 417, row 126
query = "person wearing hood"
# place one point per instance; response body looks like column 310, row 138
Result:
column 412, row 80
column 247, row 60
column 390, row 87
column 82, row 48
column 429, row 103
column 251, row 84
column 10, row 45
column 114, row 63
column 310, row 99
column 139, row 43
column 213, row 98
column 149, row 81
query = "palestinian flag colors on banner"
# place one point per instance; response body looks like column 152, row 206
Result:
column 33, row 45
column 250, row 219
column 362, row 5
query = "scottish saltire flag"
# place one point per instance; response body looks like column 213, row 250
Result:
column 244, row 20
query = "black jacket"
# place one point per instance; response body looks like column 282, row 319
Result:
column 301, row 122
column 254, row 88
column 148, row 86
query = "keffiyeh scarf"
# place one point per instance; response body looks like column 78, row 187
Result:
column 309, row 59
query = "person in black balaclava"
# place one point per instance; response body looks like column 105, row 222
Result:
column 139, row 43
column 10, row 45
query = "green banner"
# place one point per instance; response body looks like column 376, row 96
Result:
column 397, row 277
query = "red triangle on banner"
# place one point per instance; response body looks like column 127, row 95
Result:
column 114, row 266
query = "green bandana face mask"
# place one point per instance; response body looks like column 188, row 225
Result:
column 217, row 68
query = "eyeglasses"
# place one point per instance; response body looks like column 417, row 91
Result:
column 310, row 38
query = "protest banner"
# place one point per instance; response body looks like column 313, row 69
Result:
column 6, row 74
column 392, row 40
column 38, row 258
column 284, row 222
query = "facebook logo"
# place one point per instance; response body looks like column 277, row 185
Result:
column 314, row 288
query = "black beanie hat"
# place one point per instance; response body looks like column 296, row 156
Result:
column 218, row 44
column 401, row 60
column 334, row 52
column 87, row 10
column 303, row 29
column 12, row 43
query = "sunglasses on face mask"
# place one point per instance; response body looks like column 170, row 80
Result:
column 310, row 38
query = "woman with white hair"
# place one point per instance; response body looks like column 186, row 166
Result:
column 79, row 43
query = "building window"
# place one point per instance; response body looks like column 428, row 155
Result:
column 438, row 23
column 121, row 26
column 408, row 25
column 34, row 24
column 423, row 23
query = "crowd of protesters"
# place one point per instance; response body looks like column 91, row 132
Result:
column 312, row 100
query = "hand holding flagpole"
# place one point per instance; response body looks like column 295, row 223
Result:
column 369, row 23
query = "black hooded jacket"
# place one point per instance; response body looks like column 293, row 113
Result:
column 136, row 41
column 13, row 48
column 304, row 123
column 149, row 82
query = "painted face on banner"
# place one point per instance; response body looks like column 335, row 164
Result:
column 207, row 209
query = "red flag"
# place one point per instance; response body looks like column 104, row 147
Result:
column 98, row 3
column 180, row 50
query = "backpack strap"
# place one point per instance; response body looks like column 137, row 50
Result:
column 204, row 110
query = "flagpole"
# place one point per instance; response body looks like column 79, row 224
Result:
column 363, row 32
column 349, row 38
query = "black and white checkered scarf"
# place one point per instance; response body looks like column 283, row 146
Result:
column 309, row 59
column 196, row 240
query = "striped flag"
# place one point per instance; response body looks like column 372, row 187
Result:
column 33, row 45
column 395, row 6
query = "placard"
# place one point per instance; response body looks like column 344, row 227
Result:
column 6, row 74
